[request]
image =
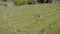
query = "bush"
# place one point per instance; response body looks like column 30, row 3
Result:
column 19, row 2
column 22, row 2
column 31, row 1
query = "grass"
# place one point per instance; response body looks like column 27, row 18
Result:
column 30, row 19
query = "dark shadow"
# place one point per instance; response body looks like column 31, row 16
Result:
column 48, row 1
column 29, row 3
column 40, row 1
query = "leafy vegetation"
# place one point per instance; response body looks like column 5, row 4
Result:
column 30, row 19
column 31, row 1
column 21, row 2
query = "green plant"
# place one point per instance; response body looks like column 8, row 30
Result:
column 19, row 2
column 31, row 1
column 22, row 2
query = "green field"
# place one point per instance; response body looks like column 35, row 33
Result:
column 30, row 19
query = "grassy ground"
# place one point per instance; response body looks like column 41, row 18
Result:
column 30, row 19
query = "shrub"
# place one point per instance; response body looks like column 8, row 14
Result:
column 19, row 2
column 31, row 1
column 22, row 2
